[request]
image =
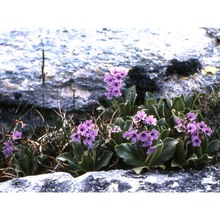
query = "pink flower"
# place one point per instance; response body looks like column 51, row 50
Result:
column 108, row 79
column 150, row 120
column 151, row 150
column 131, row 134
column 208, row 131
column 202, row 125
column 8, row 149
column 140, row 116
column 82, row 129
column 116, row 129
column 144, row 136
column 196, row 141
column 191, row 127
column 191, row 116
column 76, row 137
column 154, row 134
column 89, row 124
column 16, row 135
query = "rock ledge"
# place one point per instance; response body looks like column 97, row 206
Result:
column 206, row 180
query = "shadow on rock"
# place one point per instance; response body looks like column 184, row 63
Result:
column 139, row 77
column 183, row 68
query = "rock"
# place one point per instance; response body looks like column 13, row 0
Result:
column 206, row 180
column 214, row 33
column 77, row 59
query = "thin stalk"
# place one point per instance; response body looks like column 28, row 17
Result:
column 43, row 76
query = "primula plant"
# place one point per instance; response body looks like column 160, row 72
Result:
column 142, row 147
column 120, row 101
column 156, row 136
column 86, row 153
column 195, row 147
column 26, row 157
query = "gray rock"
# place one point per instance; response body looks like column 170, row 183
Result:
column 76, row 60
column 120, row 181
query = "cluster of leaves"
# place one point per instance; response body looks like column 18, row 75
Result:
column 159, row 133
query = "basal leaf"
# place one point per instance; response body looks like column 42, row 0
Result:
column 213, row 147
column 103, row 160
column 169, row 147
column 129, row 155
column 66, row 157
column 130, row 94
column 178, row 104
column 152, row 158
column 138, row 170
column 119, row 122
column 87, row 163
column 78, row 150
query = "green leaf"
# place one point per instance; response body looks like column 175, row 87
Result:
column 77, row 150
column 138, row 170
column 115, row 104
column 104, row 159
column 127, row 125
column 189, row 101
column 161, row 110
column 178, row 104
column 66, row 157
column 162, row 123
column 193, row 157
column 149, row 103
column 165, row 133
column 156, row 108
column 164, row 152
column 27, row 165
column 213, row 147
column 168, row 150
column 172, row 119
column 167, row 103
column 119, row 122
column 203, row 161
column 192, row 161
column 129, row 155
column 26, row 162
column 180, row 153
column 204, row 146
column 125, row 109
column 110, row 144
column 101, row 108
column 117, row 137
column 87, row 163
column 150, row 160
column 174, row 163
column 149, row 95
column 130, row 94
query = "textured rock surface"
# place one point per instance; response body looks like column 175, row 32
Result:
column 76, row 60
column 121, row 181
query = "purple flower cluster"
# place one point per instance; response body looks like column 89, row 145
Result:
column 142, row 118
column 9, row 144
column 86, row 133
column 8, row 149
column 196, row 130
column 114, row 82
column 140, row 133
